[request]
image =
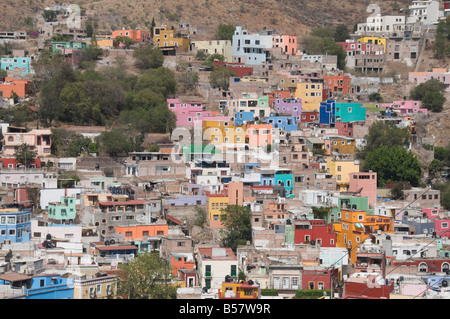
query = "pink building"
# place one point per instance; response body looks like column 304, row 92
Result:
column 442, row 227
column 441, row 74
column 235, row 193
column 431, row 213
column 405, row 107
column 353, row 48
column 365, row 184
column 189, row 113
column 287, row 43
column 258, row 135
column 37, row 140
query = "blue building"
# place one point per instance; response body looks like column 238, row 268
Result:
column 286, row 123
column 15, row 225
column 23, row 63
column 241, row 116
column 43, row 286
column 284, row 177
column 327, row 112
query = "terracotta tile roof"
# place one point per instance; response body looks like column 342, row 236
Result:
column 14, row 277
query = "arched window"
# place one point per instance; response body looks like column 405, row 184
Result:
column 445, row 267
column 423, row 267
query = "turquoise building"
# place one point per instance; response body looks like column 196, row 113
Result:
column 64, row 210
column 350, row 112
column 23, row 63
column 284, row 177
column 348, row 202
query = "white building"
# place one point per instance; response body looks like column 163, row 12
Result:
column 424, row 11
column 251, row 49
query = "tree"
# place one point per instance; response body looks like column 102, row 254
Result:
column 315, row 44
column 393, row 164
column 237, row 221
column 209, row 61
column 433, row 85
column 127, row 42
column 341, row 33
column 147, row 276
column 189, row 79
column 375, row 97
column 78, row 145
column 161, row 80
column 220, row 77
column 384, row 133
column 433, row 101
column 113, row 143
column 89, row 29
column 25, row 155
column 225, row 32
column 200, row 217
column 435, row 167
column 397, row 190
column 148, row 57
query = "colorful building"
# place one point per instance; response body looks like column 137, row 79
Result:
column 314, row 232
column 286, row 43
column 441, row 74
column 356, row 226
column 216, row 203
column 239, row 290
column 63, row 210
column 258, row 106
column 15, row 225
column 341, row 169
column 365, row 184
column 340, row 145
column 374, row 40
column 137, row 35
column 100, row 286
column 164, row 37
column 350, row 112
column 240, row 69
column 210, row 47
column 9, row 86
column 223, row 134
column 286, row 123
column 38, row 140
column 340, row 83
column 258, row 135
column 404, row 107
column 22, row 63
column 311, row 93
column 141, row 232
column 62, row 46
column 251, row 49
column 288, row 106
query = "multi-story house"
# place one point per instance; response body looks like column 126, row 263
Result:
column 288, row 106
column 340, row 84
column 441, row 74
column 404, row 107
column 424, row 11
column 15, row 225
column 99, row 286
column 251, row 49
column 64, row 210
column 365, row 184
column 223, row 134
column 258, row 135
column 356, row 226
column 285, row 123
column 424, row 198
column 341, row 169
column 9, row 86
column 138, row 36
column 214, row 263
column 164, row 37
column 340, row 145
column 286, row 43
column 21, row 63
column 38, row 140
column 314, row 232
column 310, row 91
column 210, row 47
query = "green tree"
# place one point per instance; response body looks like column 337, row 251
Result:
column 200, row 216
column 220, row 77
column 314, row 44
column 225, row 32
column 237, row 221
column 49, row 15
column 341, row 33
column 114, row 143
column 433, row 101
column 127, row 42
column 147, row 276
column 393, row 164
column 384, row 133
column 25, row 155
column 419, row 91
column 148, row 57
column 375, row 97
column 201, row 55
column 397, row 190
column 78, row 145
column 89, row 29
column 209, row 61
column 435, row 167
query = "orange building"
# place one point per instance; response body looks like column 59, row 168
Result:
column 10, row 85
column 339, row 83
column 258, row 135
column 356, row 226
column 137, row 35
column 139, row 232
column 181, row 261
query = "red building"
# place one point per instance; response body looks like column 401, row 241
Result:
column 12, row 163
column 239, row 68
column 320, row 278
column 309, row 117
column 314, row 231
column 364, row 285
column 339, row 83
column 280, row 94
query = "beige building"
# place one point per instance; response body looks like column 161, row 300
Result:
column 213, row 46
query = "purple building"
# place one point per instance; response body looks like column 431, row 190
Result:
column 289, row 106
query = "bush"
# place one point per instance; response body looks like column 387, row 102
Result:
column 311, row 294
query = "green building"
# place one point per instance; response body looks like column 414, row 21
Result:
column 59, row 46
column 348, row 202
column 63, row 210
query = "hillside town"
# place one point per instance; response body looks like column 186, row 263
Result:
column 255, row 165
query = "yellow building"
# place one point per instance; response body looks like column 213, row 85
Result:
column 169, row 37
column 341, row 169
column 100, row 286
column 216, row 203
column 374, row 40
column 223, row 134
column 310, row 93
column 214, row 46
column 341, row 145
column 356, row 226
